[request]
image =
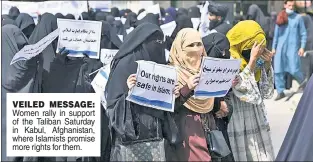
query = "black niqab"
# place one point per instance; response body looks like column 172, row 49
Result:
column 194, row 12
column 110, row 19
column 14, row 12
column 141, row 10
column 130, row 20
column 218, row 10
column 256, row 14
column 121, row 111
column 101, row 16
column 109, row 39
column 69, row 16
column 47, row 24
column 216, row 45
column 115, row 12
column 59, row 15
column 85, row 16
column 8, row 21
column 181, row 12
column 26, row 23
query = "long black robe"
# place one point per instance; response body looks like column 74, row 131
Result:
column 298, row 142
column 26, row 23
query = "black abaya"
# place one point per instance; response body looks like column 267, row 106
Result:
column 26, row 23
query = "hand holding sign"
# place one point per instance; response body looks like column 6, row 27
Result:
column 193, row 81
column 131, row 81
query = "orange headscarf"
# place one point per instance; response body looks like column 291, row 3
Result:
column 188, row 61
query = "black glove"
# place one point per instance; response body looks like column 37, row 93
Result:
column 62, row 54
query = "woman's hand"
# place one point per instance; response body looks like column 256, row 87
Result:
column 131, row 81
column 267, row 55
column 235, row 81
column 193, row 81
column 256, row 51
column 223, row 112
column 176, row 91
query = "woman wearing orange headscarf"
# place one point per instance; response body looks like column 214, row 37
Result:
column 186, row 55
column 248, row 129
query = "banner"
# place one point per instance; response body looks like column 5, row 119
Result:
column 30, row 51
column 216, row 76
column 107, row 55
column 154, row 87
column 79, row 37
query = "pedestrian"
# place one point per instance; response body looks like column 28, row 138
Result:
column 26, row 23
column 248, row 128
column 288, row 46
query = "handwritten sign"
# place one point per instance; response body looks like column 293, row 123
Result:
column 168, row 28
column 100, row 81
column 216, row 76
column 154, row 88
column 79, row 37
column 107, row 55
column 30, row 51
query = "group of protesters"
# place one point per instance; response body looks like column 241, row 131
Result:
column 182, row 135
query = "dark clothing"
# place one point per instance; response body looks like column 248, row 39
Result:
column 14, row 12
column 115, row 12
column 256, row 14
column 69, row 16
column 223, row 28
column 8, row 21
column 26, row 23
column 149, row 18
column 194, row 12
column 101, row 16
column 109, row 39
column 59, row 15
column 298, row 142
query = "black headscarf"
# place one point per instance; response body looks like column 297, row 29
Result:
column 109, row 39
column 69, row 16
column 14, row 12
column 162, row 10
column 130, row 20
column 149, row 18
column 216, row 45
column 26, row 23
column 8, row 21
column 194, row 12
column 59, row 15
column 218, row 10
column 16, row 76
column 181, row 11
column 182, row 22
column 110, row 19
column 140, row 44
column 256, row 14
column 101, row 16
column 47, row 24
column 115, row 12
column 119, row 27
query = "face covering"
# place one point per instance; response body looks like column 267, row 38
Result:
column 246, row 54
column 156, row 49
column 288, row 11
column 213, row 24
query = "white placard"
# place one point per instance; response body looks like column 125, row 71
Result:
column 80, row 36
column 155, row 9
column 53, row 125
column 216, row 77
column 123, row 20
column 168, row 28
column 121, row 37
column 195, row 22
column 154, row 86
column 100, row 81
column 129, row 30
column 30, row 51
column 107, row 55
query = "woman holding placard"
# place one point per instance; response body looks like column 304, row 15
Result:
column 135, row 128
column 190, row 112
column 248, row 128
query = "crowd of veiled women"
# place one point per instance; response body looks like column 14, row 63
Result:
column 178, row 136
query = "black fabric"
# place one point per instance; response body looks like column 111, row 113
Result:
column 181, row 12
column 110, row 19
column 47, row 24
column 216, row 45
column 181, row 23
column 141, row 10
column 69, row 16
column 194, row 12
column 5, row 16
column 59, row 15
column 298, row 142
column 109, row 39
column 8, row 21
column 130, row 20
column 256, row 14
column 126, row 117
column 14, row 12
column 115, row 12
column 119, row 27
column 149, row 18
column 218, row 9
column 85, row 16
column 223, row 28
column 26, row 23
column 101, row 16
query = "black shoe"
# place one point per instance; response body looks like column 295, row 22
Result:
column 280, row 96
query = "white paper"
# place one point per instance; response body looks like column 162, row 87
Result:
column 168, row 28
column 100, row 81
column 121, row 37
column 154, row 86
column 195, row 22
column 129, row 30
column 167, row 55
column 117, row 18
column 30, row 51
column 123, row 20
column 141, row 15
column 80, row 36
column 107, row 55
column 216, row 77
column 155, row 9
